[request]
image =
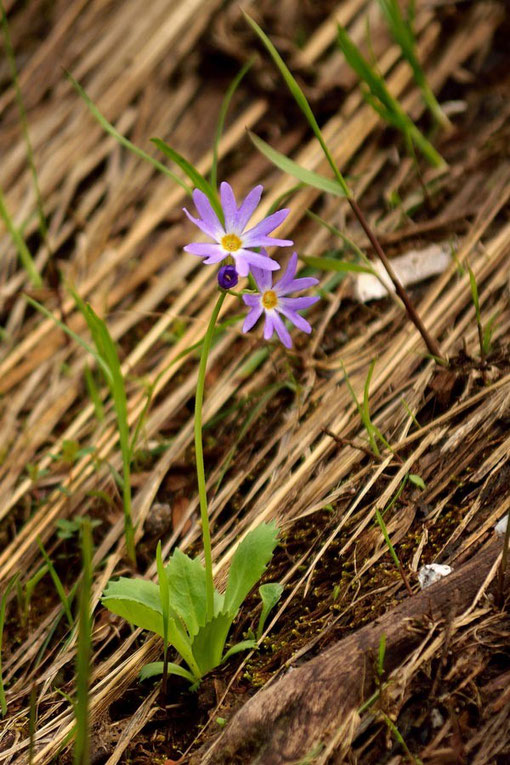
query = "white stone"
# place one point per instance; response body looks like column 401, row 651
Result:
column 411, row 267
column 501, row 526
column 432, row 572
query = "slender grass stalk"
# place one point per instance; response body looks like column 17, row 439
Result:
column 23, row 252
column 199, row 452
column 82, row 743
column 3, row 606
column 58, row 584
column 43, row 226
column 32, row 722
column 398, row 736
column 108, row 127
column 393, row 554
column 402, row 32
column 476, row 302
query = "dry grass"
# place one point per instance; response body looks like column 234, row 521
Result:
column 116, row 231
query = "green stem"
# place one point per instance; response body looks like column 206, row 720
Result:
column 199, row 452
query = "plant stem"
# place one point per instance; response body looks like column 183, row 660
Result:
column 199, row 453
column 431, row 344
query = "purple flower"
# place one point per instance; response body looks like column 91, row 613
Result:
column 227, row 277
column 271, row 300
column 232, row 240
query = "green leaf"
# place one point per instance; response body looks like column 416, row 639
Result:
column 69, row 332
column 244, row 645
column 381, row 100
column 186, row 582
column 137, row 601
column 300, row 99
column 209, row 642
column 332, row 264
column 193, row 174
column 270, row 594
column 330, row 185
column 156, row 668
column 23, row 251
column 249, row 563
column 417, row 480
column 164, row 595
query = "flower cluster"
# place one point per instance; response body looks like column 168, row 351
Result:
column 234, row 245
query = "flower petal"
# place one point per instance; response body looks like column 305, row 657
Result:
column 248, row 208
column 269, row 326
column 228, row 203
column 204, row 249
column 263, row 278
column 295, row 285
column 281, row 331
column 202, row 225
column 281, row 286
column 257, row 260
column 267, row 241
column 298, row 321
column 298, row 303
column 252, row 300
column 242, row 264
column 252, row 317
column 265, row 226
column 207, row 213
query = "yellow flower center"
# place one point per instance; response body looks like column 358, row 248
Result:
column 269, row 299
column 231, row 243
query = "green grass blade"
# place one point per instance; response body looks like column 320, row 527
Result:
column 43, row 226
column 73, row 335
column 193, row 174
column 300, row 99
column 108, row 127
column 381, row 100
column 82, row 743
column 332, row 264
column 290, row 167
column 225, row 104
column 106, row 347
column 384, row 530
column 402, row 32
column 3, row 606
column 94, row 394
column 58, row 584
column 23, row 251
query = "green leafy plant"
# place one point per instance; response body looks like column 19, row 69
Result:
column 401, row 29
column 373, row 432
column 176, row 609
column 378, row 96
column 484, row 333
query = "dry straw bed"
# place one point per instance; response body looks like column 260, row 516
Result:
column 116, row 233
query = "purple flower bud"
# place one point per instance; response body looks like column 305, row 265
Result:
column 227, row 277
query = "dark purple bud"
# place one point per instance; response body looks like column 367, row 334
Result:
column 227, row 277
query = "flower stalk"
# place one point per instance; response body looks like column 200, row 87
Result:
column 199, row 453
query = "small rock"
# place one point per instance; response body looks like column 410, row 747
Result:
column 501, row 526
column 432, row 572
column 159, row 519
